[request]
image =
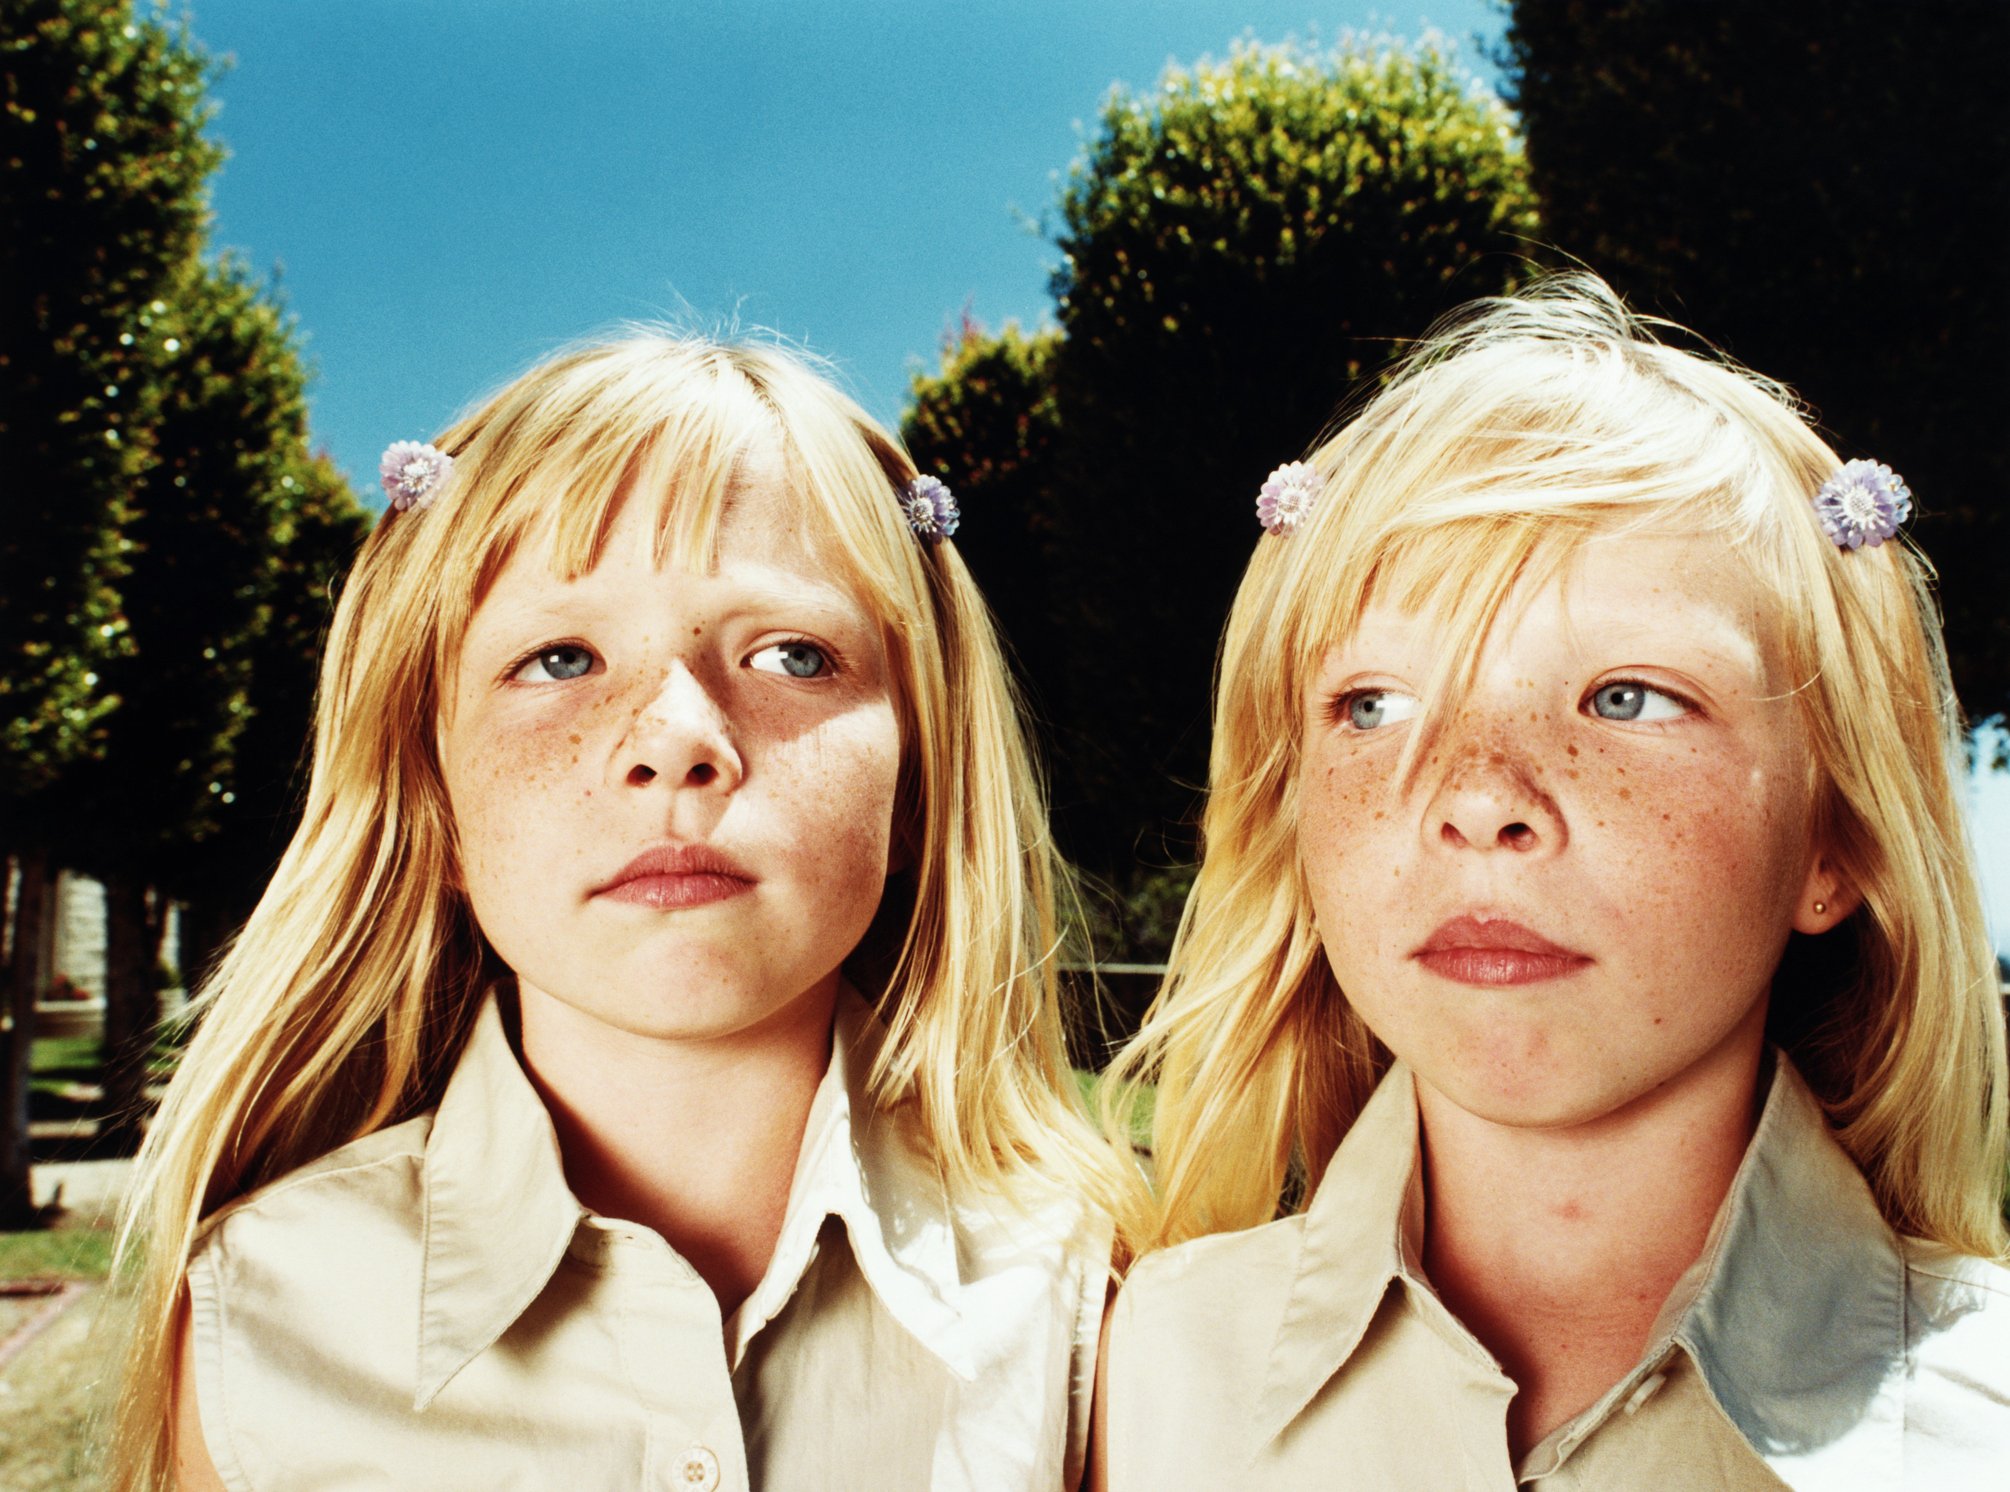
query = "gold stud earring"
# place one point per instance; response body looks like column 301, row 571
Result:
column 1821, row 907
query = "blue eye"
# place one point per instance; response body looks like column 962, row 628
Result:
column 568, row 660
column 1367, row 709
column 799, row 660
column 1627, row 699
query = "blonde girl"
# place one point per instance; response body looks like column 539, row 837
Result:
column 645, row 1068
column 1586, row 970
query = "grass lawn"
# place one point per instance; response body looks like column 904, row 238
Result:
column 1090, row 1085
column 57, row 1060
column 51, row 1393
column 52, row 1399
column 58, row 1253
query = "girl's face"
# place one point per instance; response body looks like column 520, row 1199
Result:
column 1581, row 893
column 674, row 791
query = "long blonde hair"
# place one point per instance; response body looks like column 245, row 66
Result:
column 1515, row 431
column 346, row 998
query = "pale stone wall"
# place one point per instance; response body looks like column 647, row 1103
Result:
column 80, row 933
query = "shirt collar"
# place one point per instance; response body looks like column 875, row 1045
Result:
column 866, row 1167
column 1797, row 1316
column 498, row 1214
column 1794, row 1313
column 1351, row 1247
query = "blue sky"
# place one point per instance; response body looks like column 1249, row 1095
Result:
column 448, row 190
column 452, row 188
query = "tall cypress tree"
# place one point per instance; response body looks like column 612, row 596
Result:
column 103, row 165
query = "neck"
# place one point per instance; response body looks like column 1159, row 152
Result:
column 695, row 1138
column 1558, row 1247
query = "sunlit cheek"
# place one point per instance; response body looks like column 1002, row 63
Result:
column 843, row 771
column 1347, row 827
column 504, row 781
column 1722, row 869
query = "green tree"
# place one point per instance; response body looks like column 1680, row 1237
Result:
column 1243, row 247
column 1824, row 191
column 211, row 517
column 985, row 422
column 317, row 524
column 102, row 171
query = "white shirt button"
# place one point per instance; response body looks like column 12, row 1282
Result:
column 695, row 1470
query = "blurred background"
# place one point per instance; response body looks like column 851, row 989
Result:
column 1103, row 265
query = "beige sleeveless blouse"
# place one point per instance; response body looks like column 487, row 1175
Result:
column 431, row 1307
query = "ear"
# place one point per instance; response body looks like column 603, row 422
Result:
column 1825, row 899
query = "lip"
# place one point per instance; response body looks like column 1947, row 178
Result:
column 677, row 875
column 1495, row 951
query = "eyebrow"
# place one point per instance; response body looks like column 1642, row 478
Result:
column 1727, row 641
column 1729, row 644
column 827, row 600
column 578, row 605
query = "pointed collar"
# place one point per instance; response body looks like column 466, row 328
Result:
column 1794, row 1313
column 866, row 1168
column 1797, row 1317
column 499, row 1214
column 1351, row 1249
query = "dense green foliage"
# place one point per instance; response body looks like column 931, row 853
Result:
column 315, row 525
column 102, row 165
column 171, row 544
column 986, row 423
column 1824, row 192
column 1242, row 247
column 204, row 533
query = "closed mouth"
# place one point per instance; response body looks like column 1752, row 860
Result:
column 677, row 875
column 1492, row 951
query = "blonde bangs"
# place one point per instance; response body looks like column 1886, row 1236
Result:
column 548, row 464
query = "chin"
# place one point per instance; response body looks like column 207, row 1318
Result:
column 1523, row 1082
column 697, row 1004
column 701, row 1014
column 1556, row 1109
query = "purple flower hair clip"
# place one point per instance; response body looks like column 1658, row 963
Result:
column 930, row 508
column 413, row 474
column 1287, row 498
column 1864, row 503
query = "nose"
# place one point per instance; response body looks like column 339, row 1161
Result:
column 1490, row 797
column 680, row 736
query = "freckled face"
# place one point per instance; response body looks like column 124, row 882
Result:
column 674, row 791
column 1583, row 891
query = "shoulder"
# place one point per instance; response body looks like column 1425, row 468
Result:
column 1204, row 1278
column 1934, row 1270
column 1954, row 1300
column 322, row 1266
column 1190, row 1339
column 1039, row 1229
column 374, row 1168
column 334, row 1214
column 1041, row 1259
column 1210, row 1306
